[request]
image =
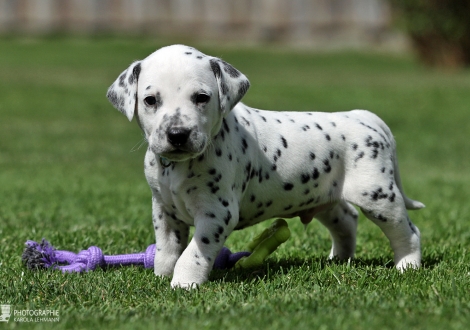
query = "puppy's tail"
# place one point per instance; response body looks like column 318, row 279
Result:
column 409, row 203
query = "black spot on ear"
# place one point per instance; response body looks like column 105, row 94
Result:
column 232, row 72
column 215, row 68
column 243, row 88
column 117, row 101
column 135, row 74
column 122, row 79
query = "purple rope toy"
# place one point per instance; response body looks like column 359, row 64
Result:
column 44, row 255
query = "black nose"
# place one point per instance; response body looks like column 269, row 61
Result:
column 178, row 136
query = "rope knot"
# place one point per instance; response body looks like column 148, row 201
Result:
column 91, row 258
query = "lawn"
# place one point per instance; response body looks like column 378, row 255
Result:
column 71, row 170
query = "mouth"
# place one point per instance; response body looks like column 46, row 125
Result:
column 176, row 155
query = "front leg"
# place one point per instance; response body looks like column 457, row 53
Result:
column 196, row 262
column 171, row 237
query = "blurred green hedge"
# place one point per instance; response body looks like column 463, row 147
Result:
column 439, row 29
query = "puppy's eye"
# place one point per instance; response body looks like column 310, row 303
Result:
column 150, row 100
column 202, row 98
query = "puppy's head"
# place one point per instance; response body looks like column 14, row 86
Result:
column 179, row 97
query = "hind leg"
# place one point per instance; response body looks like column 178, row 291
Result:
column 341, row 221
column 403, row 235
column 391, row 216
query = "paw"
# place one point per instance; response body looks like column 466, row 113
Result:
column 164, row 267
column 184, row 285
column 406, row 264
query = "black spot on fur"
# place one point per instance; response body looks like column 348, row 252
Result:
column 122, row 79
column 260, row 213
column 288, row 186
column 304, row 178
column 327, row 167
column 135, row 74
column 232, row 72
column 359, row 156
column 315, row 173
column 378, row 194
column 215, row 68
column 284, row 142
column 243, row 87
column 228, row 217
column 225, row 126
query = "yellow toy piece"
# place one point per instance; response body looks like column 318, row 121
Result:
column 264, row 244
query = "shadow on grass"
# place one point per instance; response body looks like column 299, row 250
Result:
column 314, row 264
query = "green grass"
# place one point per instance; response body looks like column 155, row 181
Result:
column 71, row 171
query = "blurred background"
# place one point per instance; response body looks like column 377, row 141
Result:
column 438, row 30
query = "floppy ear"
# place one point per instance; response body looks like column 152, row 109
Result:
column 233, row 84
column 123, row 92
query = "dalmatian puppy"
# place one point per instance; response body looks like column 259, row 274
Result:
column 219, row 165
